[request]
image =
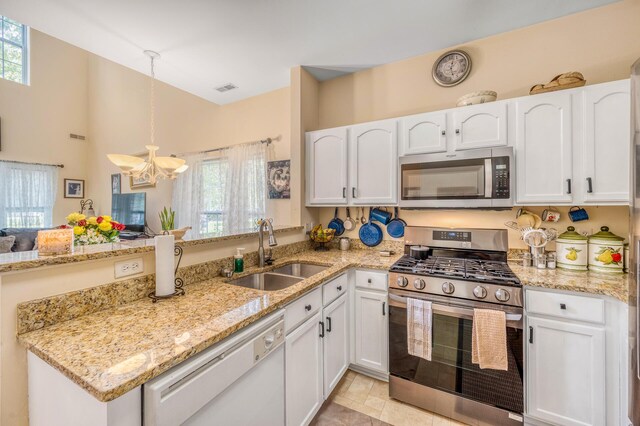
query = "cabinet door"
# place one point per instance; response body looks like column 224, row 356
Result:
column 326, row 153
column 480, row 126
column 424, row 133
column 336, row 343
column 566, row 372
column 607, row 139
column 543, row 149
column 371, row 330
column 373, row 159
column 303, row 372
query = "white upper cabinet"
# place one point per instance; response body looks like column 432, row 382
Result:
column 373, row 163
column 480, row 126
column 544, row 149
column 424, row 133
column 326, row 154
column 606, row 136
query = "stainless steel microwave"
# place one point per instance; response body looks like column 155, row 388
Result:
column 478, row 178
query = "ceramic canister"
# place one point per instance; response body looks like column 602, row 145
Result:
column 606, row 252
column 571, row 250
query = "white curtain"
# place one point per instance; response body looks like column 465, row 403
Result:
column 186, row 197
column 223, row 194
column 246, row 186
column 27, row 195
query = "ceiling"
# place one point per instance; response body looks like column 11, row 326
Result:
column 253, row 43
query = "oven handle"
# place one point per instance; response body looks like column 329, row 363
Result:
column 513, row 320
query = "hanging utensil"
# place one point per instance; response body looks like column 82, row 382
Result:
column 337, row 224
column 349, row 223
column 363, row 220
column 395, row 228
column 370, row 233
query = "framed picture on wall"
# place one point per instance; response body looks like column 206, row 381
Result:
column 116, row 183
column 138, row 183
column 279, row 179
column 73, row 188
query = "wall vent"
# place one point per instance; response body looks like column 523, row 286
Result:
column 226, row 87
column 74, row 136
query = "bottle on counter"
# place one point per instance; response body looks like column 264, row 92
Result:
column 551, row 261
column 571, row 250
column 606, row 252
column 238, row 261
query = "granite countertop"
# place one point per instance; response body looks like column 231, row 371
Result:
column 613, row 285
column 18, row 261
column 113, row 351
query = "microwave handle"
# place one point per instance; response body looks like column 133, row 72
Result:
column 488, row 178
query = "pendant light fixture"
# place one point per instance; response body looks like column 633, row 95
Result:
column 153, row 168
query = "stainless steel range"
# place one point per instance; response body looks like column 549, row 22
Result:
column 457, row 270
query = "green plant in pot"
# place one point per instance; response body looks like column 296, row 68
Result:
column 167, row 221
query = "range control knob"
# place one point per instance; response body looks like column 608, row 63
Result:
column 419, row 284
column 480, row 292
column 502, row 295
column 402, row 282
column 448, row 288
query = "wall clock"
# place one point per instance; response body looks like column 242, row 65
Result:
column 451, row 68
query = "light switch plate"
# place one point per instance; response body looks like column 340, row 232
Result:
column 129, row 267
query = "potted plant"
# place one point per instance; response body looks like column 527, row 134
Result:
column 167, row 221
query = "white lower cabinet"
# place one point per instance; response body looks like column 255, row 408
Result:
column 567, row 366
column 575, row 347
column 371, row 329
column 336, row 343
column 303, row 372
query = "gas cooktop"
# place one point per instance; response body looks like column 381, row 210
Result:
column 483, row 271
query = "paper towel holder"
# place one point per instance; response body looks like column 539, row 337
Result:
column 179, row 282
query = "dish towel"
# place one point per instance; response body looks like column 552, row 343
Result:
column 419, row 328
column 489, row 339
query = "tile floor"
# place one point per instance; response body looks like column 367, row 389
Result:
column 369, row 396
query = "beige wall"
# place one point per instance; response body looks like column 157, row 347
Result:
column 37, row 119
column 601, row 43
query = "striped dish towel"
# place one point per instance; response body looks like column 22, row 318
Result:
column 419, row 328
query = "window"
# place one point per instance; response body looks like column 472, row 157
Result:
column 13, row 50
column 224, row 195
column 27, row 195
column 214, row 174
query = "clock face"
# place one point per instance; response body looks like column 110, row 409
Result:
column 452, row 68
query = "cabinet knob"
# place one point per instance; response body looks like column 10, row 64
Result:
column 563, row 306
column 339, row 288
column 457, row 131
column 307, row 308
column 369, row 280
column 444, row 132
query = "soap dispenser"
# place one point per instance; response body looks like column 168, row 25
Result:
column 238, row 261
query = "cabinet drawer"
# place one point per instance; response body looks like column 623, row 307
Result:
column 296, row 312
column 577, row 308
column 371, row 280
column 333, row 289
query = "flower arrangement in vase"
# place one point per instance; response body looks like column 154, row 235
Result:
column 93, row 230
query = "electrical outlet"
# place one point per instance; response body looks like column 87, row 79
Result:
column 308, row 227
column 129, row 267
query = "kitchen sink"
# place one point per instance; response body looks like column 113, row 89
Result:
column 268, row 281
column 304, row 270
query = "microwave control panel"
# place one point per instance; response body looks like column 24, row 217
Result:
column 501, row 177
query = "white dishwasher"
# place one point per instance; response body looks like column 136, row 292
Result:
column 238, row 382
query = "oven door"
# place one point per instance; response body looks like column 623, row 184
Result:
column 450, row 369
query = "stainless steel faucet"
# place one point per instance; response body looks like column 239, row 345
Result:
column 272, row 242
